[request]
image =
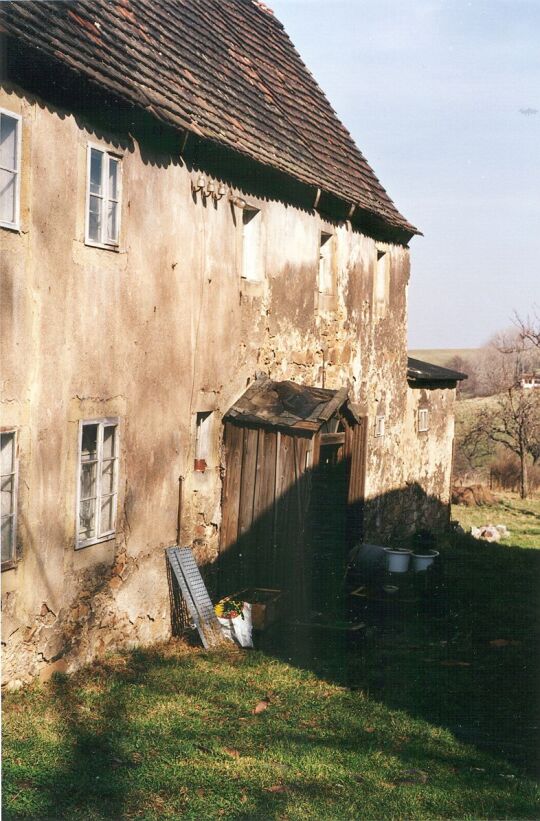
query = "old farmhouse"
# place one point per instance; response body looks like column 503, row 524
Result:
column 204, row 323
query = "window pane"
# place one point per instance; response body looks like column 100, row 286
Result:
column 109, row 442
column 113, row 178
column 112, row 222
column 107, row 478
column 7, row 496
column 8, row 142
column 107, row 514
column 7, row 539
column 7, row 196
column 87, row 519
column 88, row 480
column 89, row 442
column 96, row 164
column 7, row 444
column 94, row 218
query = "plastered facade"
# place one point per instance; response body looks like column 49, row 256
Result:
column 151, row 334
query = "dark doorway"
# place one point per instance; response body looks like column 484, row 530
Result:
column 328, row 522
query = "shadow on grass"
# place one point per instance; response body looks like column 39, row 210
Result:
column 460, row 653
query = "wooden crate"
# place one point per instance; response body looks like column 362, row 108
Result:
column 266, row 605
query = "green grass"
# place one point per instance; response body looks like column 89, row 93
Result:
column 421, row 717
column 521, row 517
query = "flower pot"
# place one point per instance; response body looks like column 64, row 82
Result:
column 421, row 561
column 397, row 561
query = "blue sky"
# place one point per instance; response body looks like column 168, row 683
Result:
column 433, row 93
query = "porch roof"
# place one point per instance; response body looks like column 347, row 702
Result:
column 287, row 405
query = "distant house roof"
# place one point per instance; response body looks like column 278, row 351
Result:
column 419, row 372
column 286, row 405
column 223, row 69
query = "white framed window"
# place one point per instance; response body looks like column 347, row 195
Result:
column 97, row 481
column 380, row 425
column 10, row 168
column 326, row 248
column 103, row 197
column 252, row 247
column 8, row 483
column 423, row 420
column 203, row 439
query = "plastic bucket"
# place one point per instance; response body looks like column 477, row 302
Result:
column 397, row 561
column 421, row 561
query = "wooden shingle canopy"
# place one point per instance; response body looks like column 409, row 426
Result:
column 224, row 70
column 419, row 373
column 287, row 405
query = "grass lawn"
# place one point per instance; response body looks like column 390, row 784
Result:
column 521, row 516
column 430, row 713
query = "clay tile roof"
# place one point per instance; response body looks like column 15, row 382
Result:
column 418, row 372
column 223, row 69
column 286, row 405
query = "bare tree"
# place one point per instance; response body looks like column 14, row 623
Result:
column 513, row 421
column 529, row 329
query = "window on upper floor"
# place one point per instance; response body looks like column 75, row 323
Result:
column 10, row 168
column 97, row 481
column 326, row 274
column 380, row 422
column 381, row 282
column 103, row 198
column 8, row 481
column 423, row 420
column 252, row 247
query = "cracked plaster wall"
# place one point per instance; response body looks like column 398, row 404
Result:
column 152, row 334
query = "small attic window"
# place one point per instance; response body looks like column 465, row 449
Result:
column 252, row 247
column 380, row 425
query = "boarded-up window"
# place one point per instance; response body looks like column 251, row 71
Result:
column 8, row 480
column 252, row 246
column 98, row 481
column 203, row 439
column 10, row 166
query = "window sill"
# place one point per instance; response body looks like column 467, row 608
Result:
column 16, row 228
column 325, row 301
column 252, row 287
column 107, row 538
column 11, row 564
column 102, row 246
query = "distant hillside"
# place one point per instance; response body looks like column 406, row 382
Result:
column 440, row 356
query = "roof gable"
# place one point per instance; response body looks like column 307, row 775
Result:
column 222, row 69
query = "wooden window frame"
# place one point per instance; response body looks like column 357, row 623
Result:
column 12, row 560
column 107, row 156
column 110, row 534
column 423, row 414
column 16, row 224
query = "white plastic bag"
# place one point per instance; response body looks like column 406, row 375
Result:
column 239, row 629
